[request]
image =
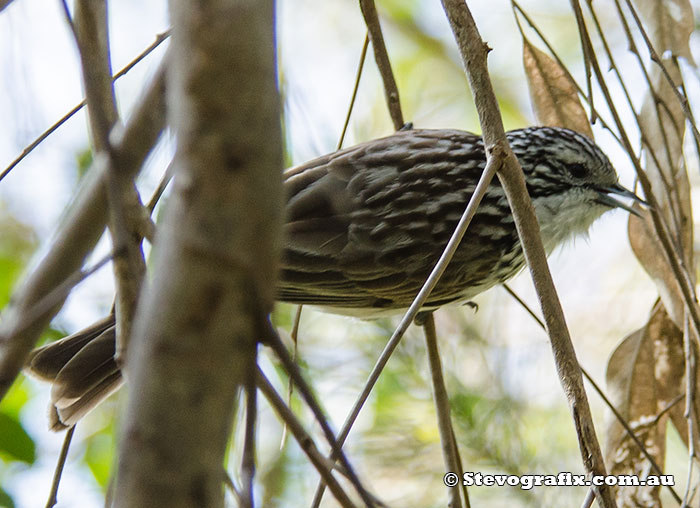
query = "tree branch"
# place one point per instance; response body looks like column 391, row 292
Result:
column 442, row 408
column 215, row 257
column 126, row 210
column 305, row 441
column 374, row 30
column 474, row 55
column 82, row 227
column 46, row 133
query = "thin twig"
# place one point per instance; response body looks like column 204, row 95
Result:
column 525, row 306
column 588, row 500
column 587, row 49
column 682, row 100
column 675, row 261
column 60, row 292
column 294, row 335
column 692, row 117
column 4, row 4
column 360, row 67
column 251, row 416
column 675, row 213
column 628, row 429
column 58, row 472
column 628, row 98
column 274, row 341
column 492, row 165
column 474, row 56
column 690, row 380
column 442, row 408
column 228, row 482
column 305, row 441
column 560, row 62
column 369, row 11
column 30, row 148
column 460, row 468
column 670, row 405
column 158, row 193
column 295, row 351
column 67, row 15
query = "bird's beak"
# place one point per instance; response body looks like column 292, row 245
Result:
column 605, row 197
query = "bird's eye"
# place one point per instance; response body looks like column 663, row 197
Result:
column 578, row 170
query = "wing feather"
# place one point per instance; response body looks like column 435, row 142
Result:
column 360, row 228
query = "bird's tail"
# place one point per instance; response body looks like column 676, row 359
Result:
column 82, row 370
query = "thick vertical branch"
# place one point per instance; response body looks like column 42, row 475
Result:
column 474, row 54
column 216, row 254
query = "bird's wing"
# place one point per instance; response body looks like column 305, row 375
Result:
column 365, row 225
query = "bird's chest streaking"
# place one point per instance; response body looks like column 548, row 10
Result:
column 366, row 225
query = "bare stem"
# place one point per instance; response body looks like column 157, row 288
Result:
column 442, row 408
column 76, row 237
column 60, row 464
column 489, row 172
column 474, row 55
column 322, row 465
column 358, row 75
column 369, row 11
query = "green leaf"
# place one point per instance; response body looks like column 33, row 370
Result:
column 10, row 269
column 83, row 160
column 15, row 443
column 19, row 394
column 99, row 455
column 6, row 500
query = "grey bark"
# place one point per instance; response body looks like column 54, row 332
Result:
column 194, row 338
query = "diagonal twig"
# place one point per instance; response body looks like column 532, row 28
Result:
column 489, row 172
column 305, row 441
column 474, row 55
column 640, row 445
column 360, row 67
column 76, row 237
column 39, row 139
column 58, row 472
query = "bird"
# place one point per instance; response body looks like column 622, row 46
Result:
column 365, row 225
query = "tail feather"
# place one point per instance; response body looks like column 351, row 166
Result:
column 91, row 365
column 63, row 417
column 46, row 362
column 81, row 368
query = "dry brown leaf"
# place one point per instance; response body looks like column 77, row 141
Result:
column 553, row 94
column 647, row 247
column 642, row 379
column 631, row 388
column 669, row 357
column 669, row 24
column 670, row 375
column 663, row 156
